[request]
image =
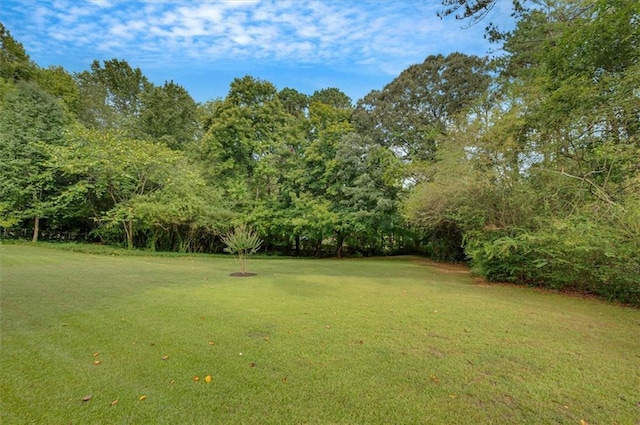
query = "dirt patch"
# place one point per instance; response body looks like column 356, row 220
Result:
column 568, row 292
column 444, row 267
column 481, row 281
column 238, row 274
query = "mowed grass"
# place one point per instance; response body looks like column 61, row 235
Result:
column 363, row 341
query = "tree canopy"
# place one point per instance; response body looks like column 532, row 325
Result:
column 525, row 165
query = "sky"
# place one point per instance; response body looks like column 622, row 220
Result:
column 353, row 45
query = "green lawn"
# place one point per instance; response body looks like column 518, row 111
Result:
column 396, row 341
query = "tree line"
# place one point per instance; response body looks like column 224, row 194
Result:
column 525, row 165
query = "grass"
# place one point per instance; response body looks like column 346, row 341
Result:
column 396, row 340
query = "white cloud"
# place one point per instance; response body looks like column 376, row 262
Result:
column 378, row 37
column 310, row 31
column 102, row 3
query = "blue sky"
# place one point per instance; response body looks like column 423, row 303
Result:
column 354, row 45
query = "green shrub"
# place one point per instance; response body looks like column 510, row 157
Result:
column 243, row 241
column 574, row 253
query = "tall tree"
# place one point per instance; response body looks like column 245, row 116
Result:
column 15, row 64
column 242, row 128
column 139, row 193
column 542, row 182
column 59, row 83
column 324, row 177
column 251, row 92
column 111, row 95
column 410, row 112
column 31, row 121
column 333, row 97
column 168, row 114
column 248, row 148
column 294, row 102
column 364, row 193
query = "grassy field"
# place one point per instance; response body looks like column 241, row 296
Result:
column 367, row 341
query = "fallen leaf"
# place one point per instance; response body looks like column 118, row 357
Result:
column 173, row 381
column 328, row 327
column 361, row 342
column 583, row 422
column 252, row 364
column 211, row 342
column 165, row 357
column 239, row 354
column 201, row 317
column 97, row 362
column 142, row 397
column 87, row 397
column 434, row 378
column 196, row 378
column 114, row 402
column 453, row 395
column 266, row 338
column 208, row 379
column 284, row 380
column 96, row 354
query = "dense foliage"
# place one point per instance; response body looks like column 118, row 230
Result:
column 541, row 177
column 526, row 165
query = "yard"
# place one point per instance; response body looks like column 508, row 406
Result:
column 101, row 339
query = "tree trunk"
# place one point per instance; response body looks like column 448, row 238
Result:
column 128, row 230
column 243, row 262
column 36, row 229
column 297, row 245
column 153, row 241
column 339, row 244
column 318, row 248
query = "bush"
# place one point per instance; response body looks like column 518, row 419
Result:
column 244, row 242
column 574, row 253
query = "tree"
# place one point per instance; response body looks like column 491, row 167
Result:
column 354, row 179
column 421, row 103
column 326, row 127
column 251, row 92
column 240, row 128
column 476, row 10
column 249, row 133
column 539, row 178
column 115, row 173
column 367, row 181
column 168, row 114
column 185, row 214
column 294, row 102
column 244, row 242
column 111, row 95
column 56, row 81
column 333, row 97
column 31, row 122
column 250, row 149
column 15, row 64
